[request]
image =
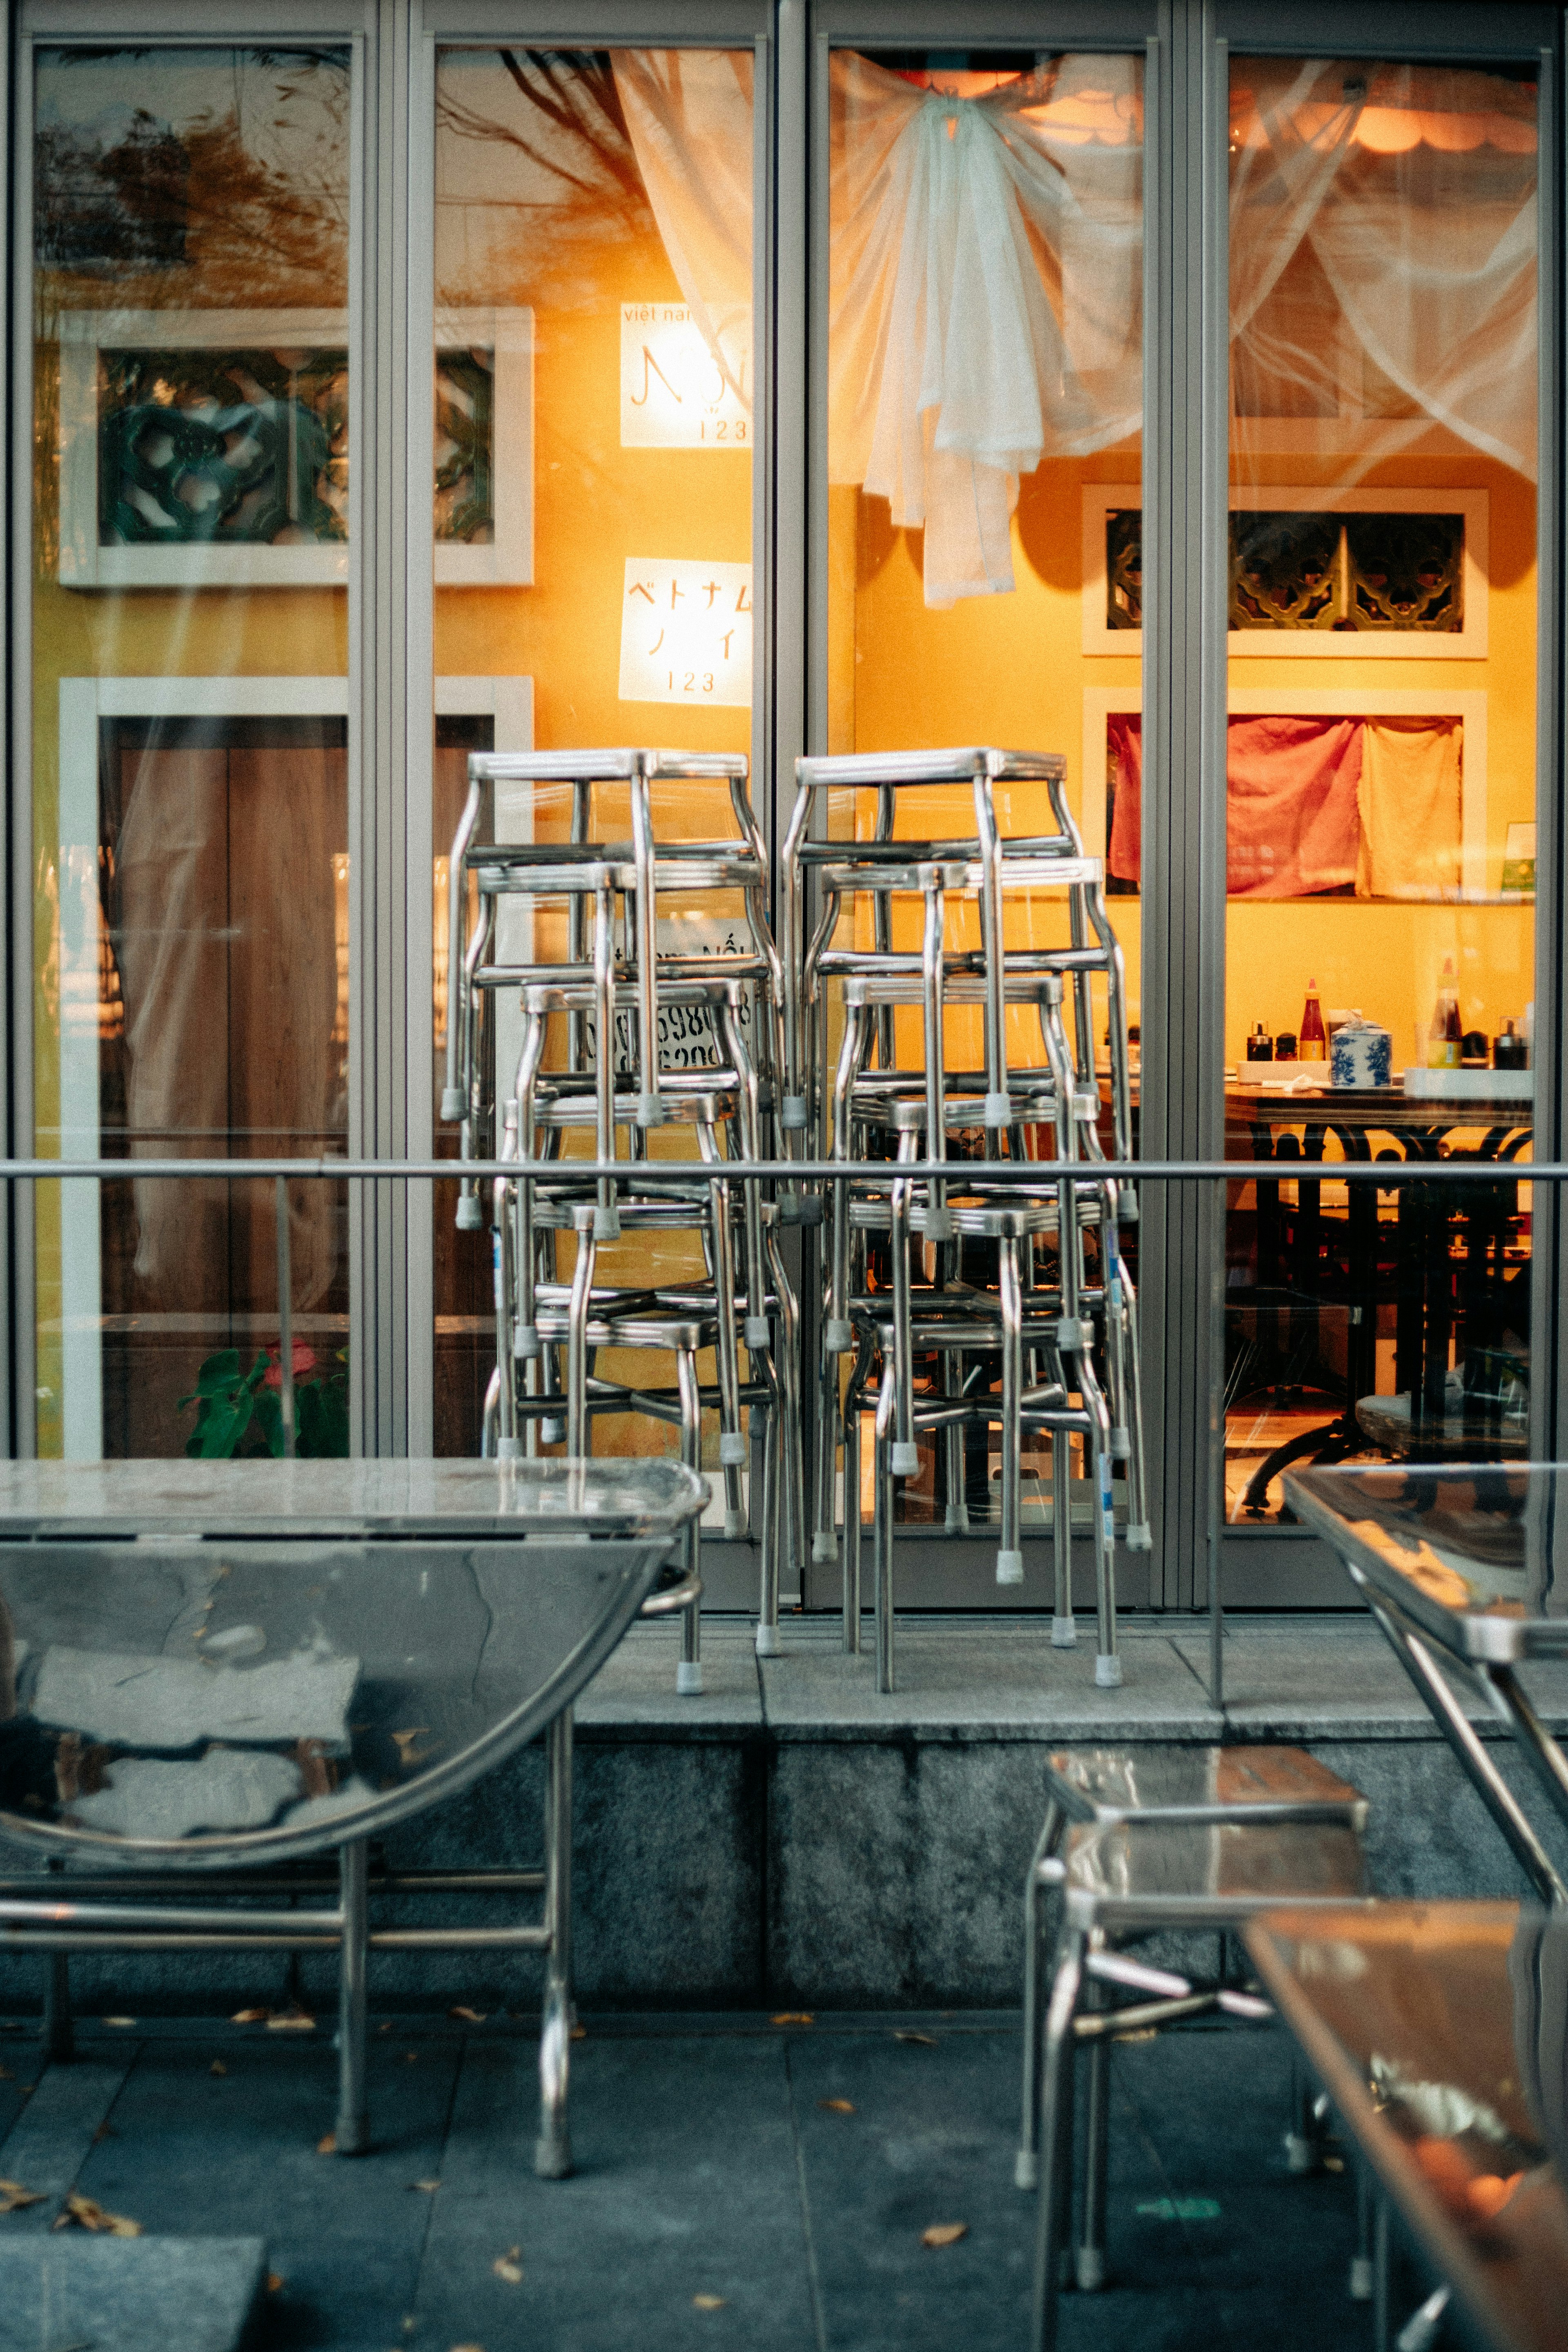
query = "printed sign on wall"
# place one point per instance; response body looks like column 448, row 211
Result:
column 674, row 394
column 686, row 632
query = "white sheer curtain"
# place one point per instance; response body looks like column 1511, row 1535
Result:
column 689, row 114
column 986, row 281
column 1398, row 203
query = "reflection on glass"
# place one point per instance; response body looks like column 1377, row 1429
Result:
column 190, row 546
column 984, row 409
column 1381, row 791
column 595, row 382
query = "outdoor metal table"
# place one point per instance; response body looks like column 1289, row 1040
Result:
column 1461, row 1565
column 1437, row 2030
column 209, row 1667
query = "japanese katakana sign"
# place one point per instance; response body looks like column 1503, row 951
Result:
column 674, row 394
column 686, row 632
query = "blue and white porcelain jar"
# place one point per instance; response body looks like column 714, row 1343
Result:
column 1361, row 1054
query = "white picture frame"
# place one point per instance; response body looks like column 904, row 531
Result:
column 83, row 702
column 1466, row 644
column 84, row 562
column 1468, row 705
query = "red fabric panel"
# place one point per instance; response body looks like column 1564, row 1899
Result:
column 1292, row 822
column 1293, row 826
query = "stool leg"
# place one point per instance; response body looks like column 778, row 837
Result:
column 1026, row 2164
column 767, row 1425
column 688, row 1673
column 553, row 2150
column 1064, row 1632
column 1090, row 2263
column 1361, row 2266
column 1010, row 1558
column 353, row 1883
column 1054, row 2229
column 852, row 1406
column 1380, row 2260
column 882, row 1553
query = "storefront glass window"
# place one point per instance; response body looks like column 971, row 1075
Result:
column 190, row 530
column 596, row 407
column 984, row 409
column 1381, row 784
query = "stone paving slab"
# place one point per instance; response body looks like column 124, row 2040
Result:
column 1333, row 1678
column 53, row 2135
column 135, row 2294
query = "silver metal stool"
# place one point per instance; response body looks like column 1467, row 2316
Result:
column 1193, row 1869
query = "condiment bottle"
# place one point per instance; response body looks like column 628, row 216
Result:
column 1260, row 1044
column 1444, row 1051
column 1311, row 1040
column 1510, row 1050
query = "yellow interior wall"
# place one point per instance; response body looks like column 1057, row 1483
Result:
column 1011, row 669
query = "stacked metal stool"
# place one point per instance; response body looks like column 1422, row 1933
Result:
column 1017, row 1307
column 586, row 1015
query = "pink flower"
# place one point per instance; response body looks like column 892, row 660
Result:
column 304, row 1362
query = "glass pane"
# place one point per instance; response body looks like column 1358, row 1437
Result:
column 1381, row 796
column 985, row 455
column 593, row 564
column 190, row 627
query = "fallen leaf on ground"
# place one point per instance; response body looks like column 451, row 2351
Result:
column 467, row 2348
column 87, row 2214
column 117, row 2021
column 385, row 2027
column 218, row 2067
column 104, row 2131
column 274, row 2281
column 795, row 2017
column 926, row 2041
column 1333, row 2164
column 250, row 2017
column 293, row 2020
column 5, row 2074
column 429, row 2187
column 507, row 2266
column 470, row 2016
column 13, row 2196
column 708, row 2301
column 837, row 2107
column 579, row 2034
column 411, row 2057
column 408, row 1753
column 326, row 2144
column 1138, row 2033
column 944, row 2233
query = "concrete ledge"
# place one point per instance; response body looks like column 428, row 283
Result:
column 790, row 1839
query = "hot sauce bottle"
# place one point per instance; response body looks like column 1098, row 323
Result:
column 1311, row 1038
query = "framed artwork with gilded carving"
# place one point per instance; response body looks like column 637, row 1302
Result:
column 1324, row 574
column 210, row 448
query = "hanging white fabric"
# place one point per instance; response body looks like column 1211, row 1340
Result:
column 1405, row 197
column 984, row 295
column 688, row 115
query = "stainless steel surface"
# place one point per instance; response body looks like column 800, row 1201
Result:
column 1437, row 2030
column 178, row 1690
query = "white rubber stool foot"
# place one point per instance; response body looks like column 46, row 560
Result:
column 837, row 1336
column 688, row 1679
column 734, row 1526
column 1064, row 1633
column 759, row 1334
column 906, row 1461
column 768, row 1645
column 1009, row 1568
column 733, row 1450
column 1090, row 2267
column 957, row 1519
column 1025, row 2169
column 1108, row 1672
column 1140, row 1536
column 824, row 1547
column 1301, row 2155
column 552, row 1433
column 1360, row 2280
column 509, row 1449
